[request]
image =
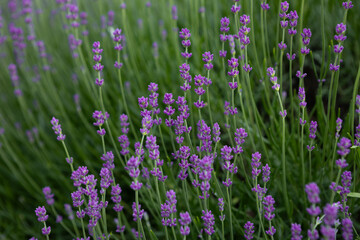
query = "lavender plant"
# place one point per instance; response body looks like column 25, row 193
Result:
column 204, row 149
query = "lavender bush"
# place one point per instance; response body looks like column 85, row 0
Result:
column 179, row 119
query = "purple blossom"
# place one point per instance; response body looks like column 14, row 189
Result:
column 216, row 132
column 224, row 28
column 138, row 213
column 269, row 207
column 330, row 212
column 347, row 229
column 48, row 195
column 185, row 221
column 249, row 230
column 344, row 147
column 266, row 173
column 116, row 197
column 221, row 209
column 312, row 191
column 168, row 209
column 347, row 5
column 296, row 231
column 233, row 64
column 338, row 127
column 301, row 95
column 209, row 221
column 41, row 214
column 208, row 58
column 271, row 73
column 255, row 164
column 57, row 129
column 132, row 166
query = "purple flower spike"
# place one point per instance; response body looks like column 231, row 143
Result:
column 269, row 207
column 224, row 25
column 255, row 164
column 209, row 221
column 249, row 230
column 301, row 95
column 41, row 214
column 338, row 127
column 266, row 173
column 296, row 231
column 48, row 195
column 330, row 212
column 57, row 129
column 221, row 209
column 168, row 209
column 207, row 58
column 185, row 221
column 347, row 229
column 344, row 146
column 312, row 191
column 347, row 5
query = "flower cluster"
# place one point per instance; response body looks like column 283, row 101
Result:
column 284, row 7
column 185, row 35
column 42, row 217
column 305, row 37
column 123, row 139
column 168, row 209
column 57, row 129
column 269, row 213
column 154, row 154
column 185, row 221
column 98, row 66
column 118, row 38
column 100, row 119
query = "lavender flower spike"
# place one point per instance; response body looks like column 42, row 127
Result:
column 57, row 129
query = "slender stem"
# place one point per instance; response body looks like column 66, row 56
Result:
column 230, row 213
column 283, row 158
column 67, row 155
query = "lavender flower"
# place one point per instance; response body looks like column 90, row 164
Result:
column 296, row 231
column 118, row 38
column 221, row 209
column 209, row 221
column 185, row 221
column 137, row 214
column 216, row 133
column 273, row 78
column 240, row 135
column 344, row 149
column 230, row 167
column 97, row 58
column 57, row 129
column 48, row 195
column 255, row 164
column 269, row 213
column 184, row 74
column 338, row 127
column 168, row 209
column 330, row 212
column 312, row 136
column 312, row 191
column 266, row 173
column 347, row 230
column 116, row 198
column 185, row 35
column 174, row 12
column 132, row 166
column 305, row 37
column 249, row 230
column 205, row 165
column 100, row 119
column 208, row 58
column 42, row 217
